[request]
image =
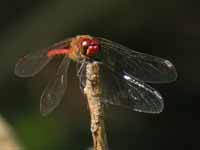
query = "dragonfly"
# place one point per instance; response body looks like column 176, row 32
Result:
column 125, row 74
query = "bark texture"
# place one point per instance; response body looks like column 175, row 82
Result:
column 93, row 92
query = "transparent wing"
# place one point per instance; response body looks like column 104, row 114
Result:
column 34, row 62
column 124, row 90
column 81, row 73
column 142, row 66
column 55, row 90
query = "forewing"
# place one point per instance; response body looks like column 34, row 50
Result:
column 33, row 63
column 55, row 90
column 148, row 68
column 126, row 91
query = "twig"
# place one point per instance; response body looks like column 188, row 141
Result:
column 93, row 92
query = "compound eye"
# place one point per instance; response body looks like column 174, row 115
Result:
column 92, row 50
column 85, row 45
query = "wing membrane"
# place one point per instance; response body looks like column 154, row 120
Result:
column 129, row 92
column 55, row 90
column 33, row 63
column 148, row 68
column 81, row 73
column 124, row 90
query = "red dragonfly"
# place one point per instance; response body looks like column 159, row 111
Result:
column 123, row 72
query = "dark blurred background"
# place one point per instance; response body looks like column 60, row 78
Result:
column 169, row 29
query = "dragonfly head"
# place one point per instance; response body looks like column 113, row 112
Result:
column 89, row 47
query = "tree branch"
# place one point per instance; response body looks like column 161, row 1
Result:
column 93, row 92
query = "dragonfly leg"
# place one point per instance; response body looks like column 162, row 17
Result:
column 79, row 69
